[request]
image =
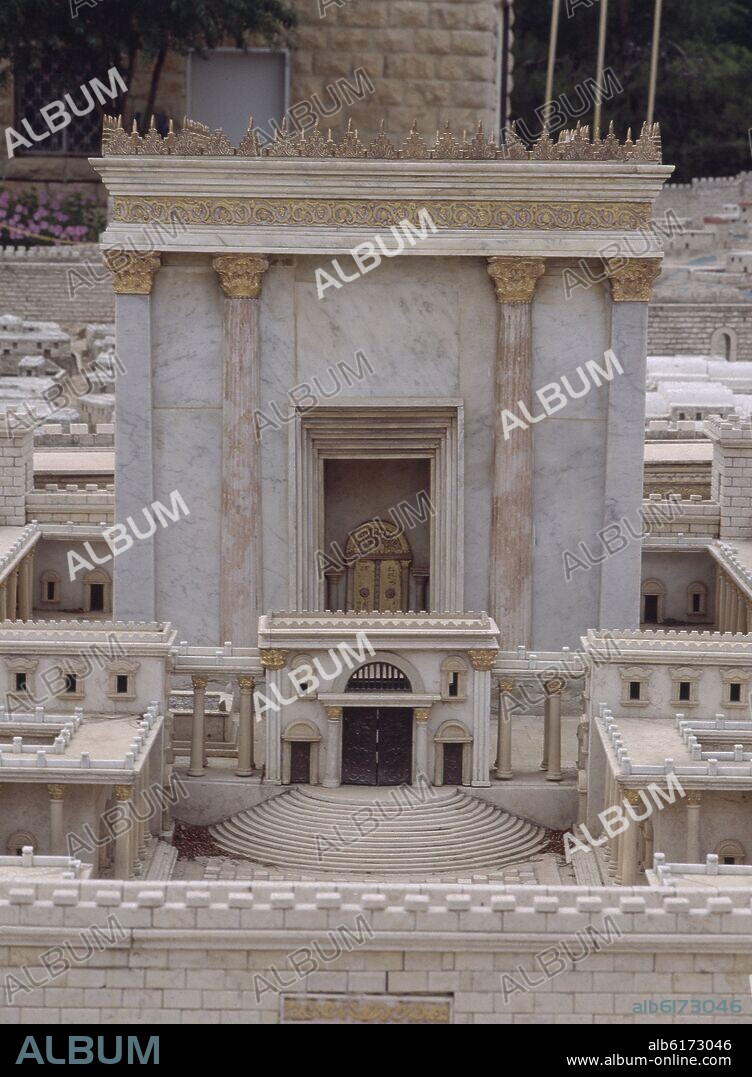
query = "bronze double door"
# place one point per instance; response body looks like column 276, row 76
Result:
column 377, row 745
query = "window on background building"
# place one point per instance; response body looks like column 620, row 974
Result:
column 21, row 682
column 36, row 87
column 121, row 684
column 735, row 692
column 71, row 683
column 685, row 691
column 454, row 684
column 634, row 689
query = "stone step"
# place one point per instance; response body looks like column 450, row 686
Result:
column 449, row 832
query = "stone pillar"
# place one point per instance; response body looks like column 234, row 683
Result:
column 333, row 768
column 12, row 605
column 273, row 661
column 133, row 273
column 4, row 614
column 546, row 737
column 630, row 841
column 122, row 868
column 694, row 849
column 741, row 612
column 631, row 284
column 57, row 829
column 482, row 663
column 245, row 727
column 240, row 277
column 511, row 595
column 24, row 590
column 198, row 731
column 421, row 742
column 554, row 689
column 504, row 743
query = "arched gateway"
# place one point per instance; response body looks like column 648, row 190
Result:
column 377, row 741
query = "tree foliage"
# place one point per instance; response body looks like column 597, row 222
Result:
column 703, row 79
column 124, row 33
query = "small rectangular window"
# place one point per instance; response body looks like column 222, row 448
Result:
column 20, row 682
column 685, row 691
column 729, row 860
column 121, row 684
column 454, row 684
column 50, row 591
column 634, row 689
column 735, row 692
column 71, row 683
column 696, row 603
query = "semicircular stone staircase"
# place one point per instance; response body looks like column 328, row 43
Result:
column 386, row 832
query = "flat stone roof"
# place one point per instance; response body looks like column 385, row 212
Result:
column 651, row 740
column 75, row 461
column 699, row 451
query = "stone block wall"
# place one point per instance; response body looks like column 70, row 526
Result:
column 216, row 953
column 687, row 328
column 16, row 475
column 732, row 477
column 87, row 504
column 703, row 197
column 681, row 517
column 66, row 284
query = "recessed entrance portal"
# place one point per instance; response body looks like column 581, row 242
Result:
column 377, row 745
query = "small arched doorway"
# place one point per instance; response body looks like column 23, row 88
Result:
column 377, row 741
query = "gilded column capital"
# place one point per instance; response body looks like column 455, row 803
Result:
column 515, row 278
column 334, row 714
column 632, row 279
column 632, row 797
column 273, row 659
column 246, row 684
column 421, row 714
column 240, row 275
column 506, row 686
column 694, row 799
column 482, row 661
column 554, row 686
column 56, row 792
column 199, row 680
column 123, row 792
column 132, row 272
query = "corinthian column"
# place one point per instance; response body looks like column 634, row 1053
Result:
column 133, row 276
column 482, row 663
column 240, row 277
column 631, row 283
column 512, row 509
column 273, row 661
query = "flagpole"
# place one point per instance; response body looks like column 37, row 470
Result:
column 654, row 60
column 551, row 61
column 600, row 63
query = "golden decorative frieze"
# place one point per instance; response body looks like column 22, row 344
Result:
column 199, row 680
column 132, row 271
column 632, row 279
column 483, row 661
column 515, row 278
column 240, row 275
column 56, row 792
column 197, row 140
column 370, row 213
column 273, row 659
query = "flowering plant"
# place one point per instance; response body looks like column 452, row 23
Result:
column 32, row 218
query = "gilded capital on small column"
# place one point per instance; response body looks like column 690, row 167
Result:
column 246, row 684
column 334, row 714
column 123, row 792
column 515, row 278
column 694, row 798
column 132, row 272
column 506, row 686
column 554, row 686
column 632, row 797
column 199, row 680
column 483, row 661
column 56, row 792
column 240, row 275
column 273, row 659
column 421, row 714
column 632, row 279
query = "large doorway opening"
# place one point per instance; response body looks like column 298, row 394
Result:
column 377, row 745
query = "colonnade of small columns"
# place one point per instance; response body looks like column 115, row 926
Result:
column 733, row 608
column 246, row 764
column 130, row 838
column 551, row 761
column 17, row 591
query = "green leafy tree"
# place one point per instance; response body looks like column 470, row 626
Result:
column 703, row 79
column 91, row 36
